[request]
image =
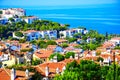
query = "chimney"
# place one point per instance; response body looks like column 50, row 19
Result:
column 116, row 60
column 27, row 73
column 100, row 63
column 71, row 57
column 55, row 59
column 13, row 74
column 76, row 56
column 57, row 70
column 94, row 53
column 92, row 59
column 63, row 69
column 46, row 71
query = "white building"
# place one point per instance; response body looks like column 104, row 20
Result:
column 71, row 32
column 11, row 12
column 3, row 21
column 116, row 40
column 35, row 35
column 30, row 19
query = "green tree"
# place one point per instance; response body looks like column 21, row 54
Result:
column 68, row 54
column 86, row 70
column 22, row 41
column 26, row 50
column 72, row 39
column 11, row 19
column 1, row 12
column 36, row 62
column 60, row 57
column 33, row 42
column 19, row 34
column 42, row 44
column 78, row 35
column 50, row 42
column 100, row 59
column 64, row 45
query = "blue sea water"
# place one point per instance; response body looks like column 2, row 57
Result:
column 101, row 19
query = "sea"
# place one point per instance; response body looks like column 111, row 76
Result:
column 102, row 19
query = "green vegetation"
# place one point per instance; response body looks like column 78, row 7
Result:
column 37, row 76
column 100, row 59
column 11, row 19
column 42, row 43
column 81, row 27
column 64, row 45
column 33, row 42
column 78, row 35
column 19, row 34
column 6, row 30
column 95, row 38
column 88, row 70
column 1, row 12
column 71, row 39
column 117, row 47
column 36, row 62
column 26, row 50
column 22, row 67
column 22, row 40
column 68, row 54
column 60, row 57
column 50, row 42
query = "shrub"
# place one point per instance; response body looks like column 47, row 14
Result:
column 19, row 34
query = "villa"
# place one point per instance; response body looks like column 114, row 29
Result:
column 30, row 19
column 11, row 12
column 35, row 35
column 3, row 21
column 116, row 40
column 71, row 32
column 42, row 54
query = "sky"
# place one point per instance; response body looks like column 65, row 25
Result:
column 55, row 2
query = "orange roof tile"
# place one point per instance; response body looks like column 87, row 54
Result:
column 90, row 58
column 61, row 40
column 51, row 47
column 116, row 38
column 73, row 44
column 53, row 66
column 0, row 53
column 42, row 53
column 30, row 31
column 6, row 73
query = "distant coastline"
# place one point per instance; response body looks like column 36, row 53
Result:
column 100, row 19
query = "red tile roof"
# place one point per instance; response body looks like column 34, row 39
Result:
column 90, row 58
column 6, row 73
column 42, row 53
column 51, row 47
column 53, row 66
column 0, row 53
column 116, row 38
column 61, row 40
column 73, row 44
column 30, row 31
